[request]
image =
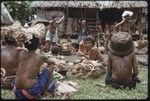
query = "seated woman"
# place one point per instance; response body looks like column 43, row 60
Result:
column 29, row 82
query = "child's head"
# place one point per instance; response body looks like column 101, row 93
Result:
column 32, row 44
column 127, row 15
column 89, row 41
column 121, row 44
column 55, row 50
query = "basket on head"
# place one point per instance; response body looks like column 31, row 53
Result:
column 121, row 44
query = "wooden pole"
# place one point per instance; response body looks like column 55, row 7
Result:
column 97, row 20
column 140, row 17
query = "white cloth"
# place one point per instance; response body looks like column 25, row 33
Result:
column 52, row 37
column 125, row 13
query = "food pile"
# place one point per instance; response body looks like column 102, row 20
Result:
column 66, row 89
column 88, row 68
column 13, row 33
column 20, row 34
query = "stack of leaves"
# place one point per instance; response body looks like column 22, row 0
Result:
column 66, row 89
column 88, row 68
column 13, row 33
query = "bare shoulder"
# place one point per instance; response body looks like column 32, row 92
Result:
column 95, row 49
column 110, row 55
column 42, row 57
column 22, row 53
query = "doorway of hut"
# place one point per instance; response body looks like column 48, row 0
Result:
column 110, row 16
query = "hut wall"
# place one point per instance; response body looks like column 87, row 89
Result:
column 48, row 14
column 82, row 12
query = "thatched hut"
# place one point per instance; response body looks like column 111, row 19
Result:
column 6, row 18
column 92, row 11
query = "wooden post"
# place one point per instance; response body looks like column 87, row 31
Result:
column 97, row 20
column 65, row 14
column 140, row 16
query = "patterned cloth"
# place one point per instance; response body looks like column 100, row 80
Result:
column 37, row 89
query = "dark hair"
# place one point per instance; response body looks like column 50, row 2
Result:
column 90, row 38
column 9, row 40
column 32, row 44
column 55, row 50
column 75, row 45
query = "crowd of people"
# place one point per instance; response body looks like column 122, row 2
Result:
column 31, row 82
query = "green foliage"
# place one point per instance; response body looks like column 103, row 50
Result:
column 20, row 10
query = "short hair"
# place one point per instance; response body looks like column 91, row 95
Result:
column 10, row 41
column 90, row 38
column 32, row 44
column 7, row 37
column 55, row 50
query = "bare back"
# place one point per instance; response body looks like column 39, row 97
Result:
column 28, row 70
column 94, row 54
column 122, row 67
column 9, row 59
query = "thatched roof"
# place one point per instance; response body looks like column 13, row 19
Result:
column 5, row 16
column 89, row 4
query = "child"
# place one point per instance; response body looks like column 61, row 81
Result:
column 55, row 50
column 29, row 83
column 122, row 69
column 91, row 52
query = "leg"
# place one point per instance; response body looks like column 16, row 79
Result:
column 132, row 85
column 108, row 79
column 116, row 86
column 47, row 46
column 137, row 80
column 40, row 86
column 52, row 86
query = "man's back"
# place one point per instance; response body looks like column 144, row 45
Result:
column 9, row 59
column 28, row 69
column 121, row 67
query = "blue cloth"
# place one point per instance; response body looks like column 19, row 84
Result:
column 38, row 87
column 81, row 36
